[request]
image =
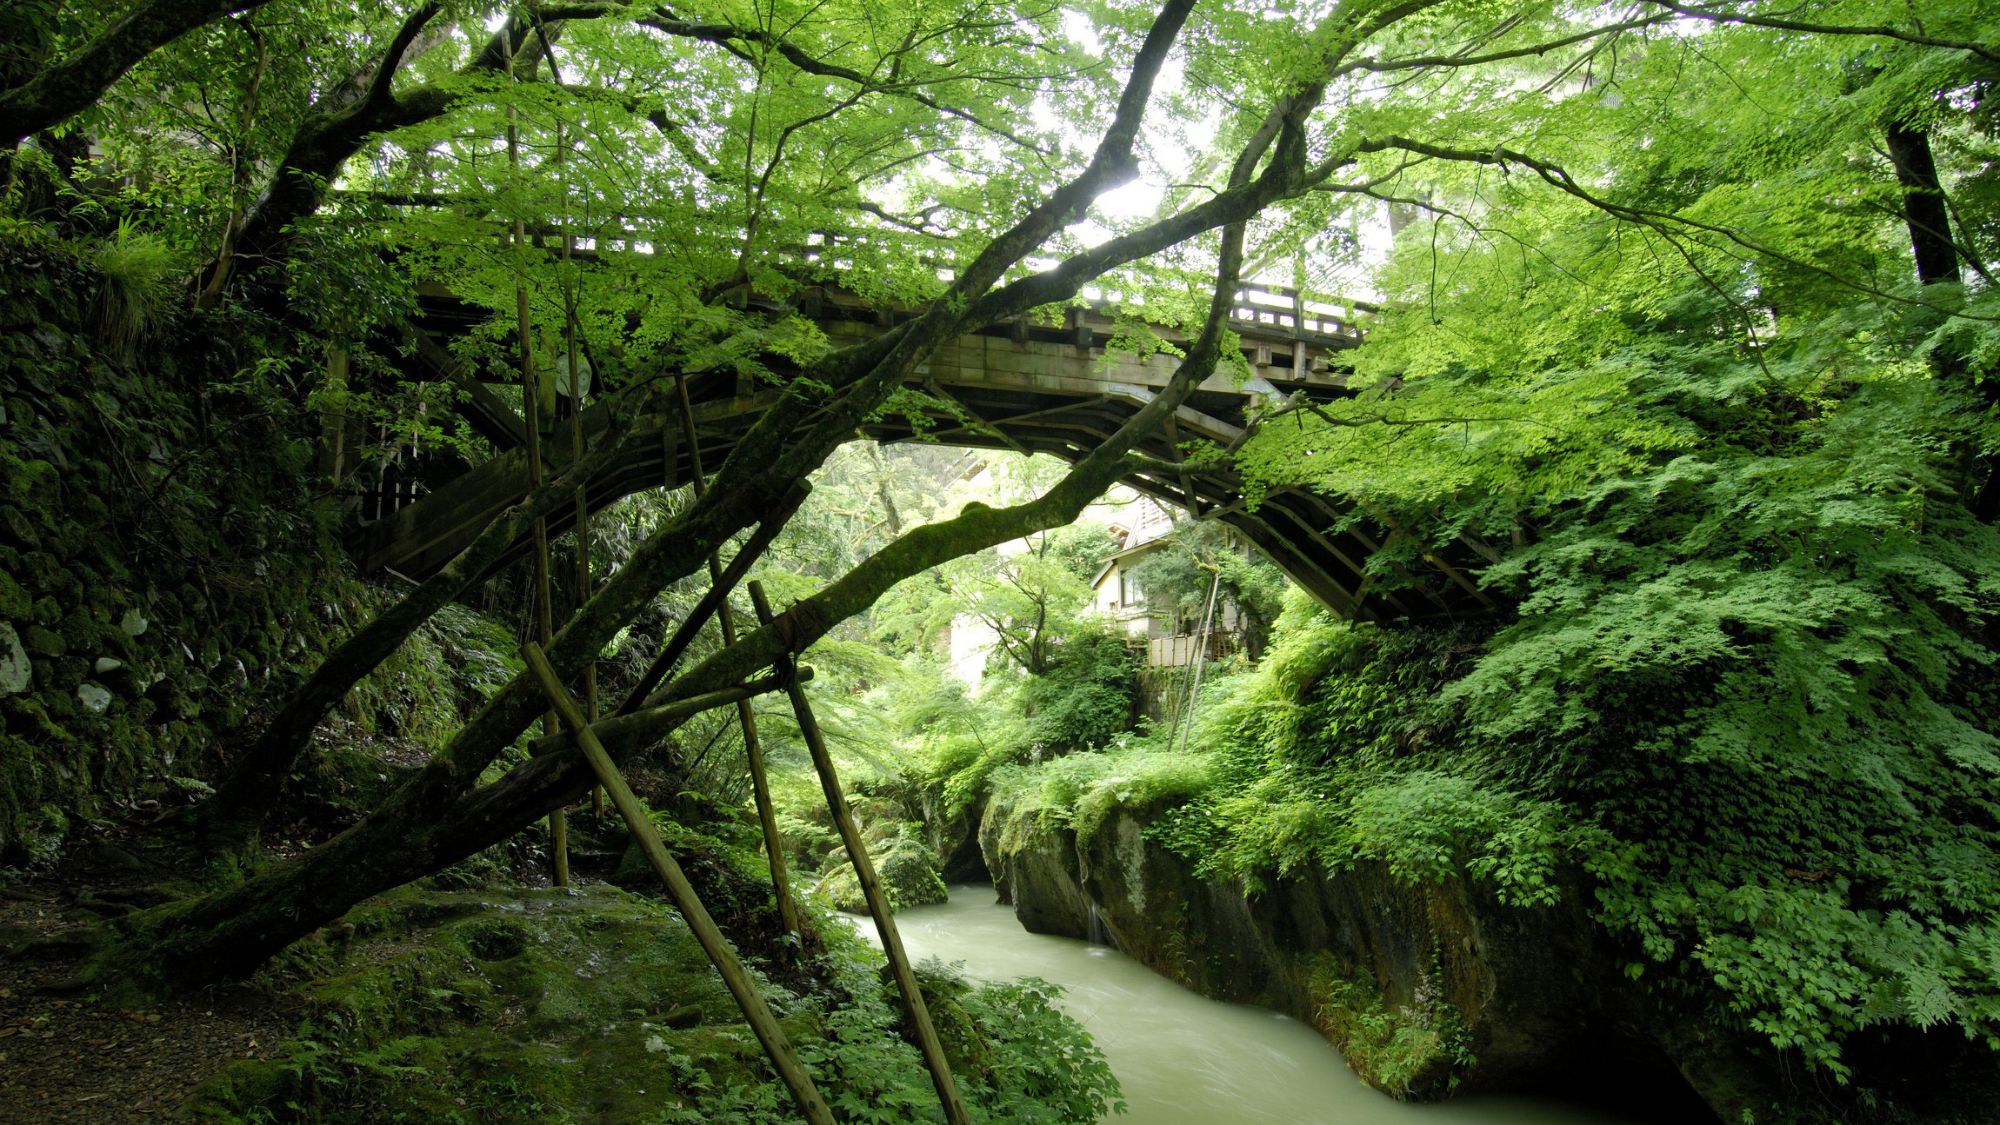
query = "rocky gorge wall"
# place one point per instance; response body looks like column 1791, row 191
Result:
column 161, row 562
column 1427, row 990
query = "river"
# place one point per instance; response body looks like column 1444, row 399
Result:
column 1187, row 1060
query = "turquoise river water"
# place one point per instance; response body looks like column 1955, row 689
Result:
column 1186, row 1060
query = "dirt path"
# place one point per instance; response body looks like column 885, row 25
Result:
column 72, row 1058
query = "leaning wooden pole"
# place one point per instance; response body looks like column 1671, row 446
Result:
column 576, row 392
column 1200, row 652
column 742, row 986
column 871, row 887
column 531, row 411
column 760, row 785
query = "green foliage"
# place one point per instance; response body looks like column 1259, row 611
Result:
column 1087, row 694
column 137, row 290
column 439, row 676
column 1650, row 335
column 1016, row 1056
column 463, row 1008
column 1080, row 791
column 962, row 738
column 1031, row 597
column 1417, row 1049
column 1769, row 702
column 1746, row 684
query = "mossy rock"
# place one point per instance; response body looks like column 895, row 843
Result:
column 523, row 1006
column 14, row 600
column 497, row 1008
column 909, row 874
column 1416, row 1051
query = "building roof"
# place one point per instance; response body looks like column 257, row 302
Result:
column 1112, row 560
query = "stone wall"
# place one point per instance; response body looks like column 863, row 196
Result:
column 165, row 568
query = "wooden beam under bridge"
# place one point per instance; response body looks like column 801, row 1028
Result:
column 1032, row 387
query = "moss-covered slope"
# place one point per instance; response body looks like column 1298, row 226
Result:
column 596, row 1004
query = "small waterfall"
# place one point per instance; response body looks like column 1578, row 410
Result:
column 1098, row 933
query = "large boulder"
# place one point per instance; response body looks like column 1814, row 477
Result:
column 907, row 868
column 1427, row 990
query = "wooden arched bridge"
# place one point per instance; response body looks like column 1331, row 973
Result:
column 1022, row 386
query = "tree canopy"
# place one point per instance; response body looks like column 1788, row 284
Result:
column 1686, row 331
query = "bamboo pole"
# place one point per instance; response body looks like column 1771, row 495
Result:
column 741, row 986
column 582, row 498
column 871, row 886
column 1200, row 652
column 531, row 411
column 760, row 784
column 545, row 625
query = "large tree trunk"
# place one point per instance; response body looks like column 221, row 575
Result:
column 1924, row 210
column 243, row 799
column 231, row 932
column 74, row 84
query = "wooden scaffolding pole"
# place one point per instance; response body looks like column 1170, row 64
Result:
column 871, row 886
column 760, row 785
column 576, row 392
column 1200, row 652
column 531, row 410
column 742, row 986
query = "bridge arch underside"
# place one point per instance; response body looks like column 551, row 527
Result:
column 1006, row 390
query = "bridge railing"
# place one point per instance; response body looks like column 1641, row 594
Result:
column 1279, row 310
column 1276, row 310
column 1289, row 311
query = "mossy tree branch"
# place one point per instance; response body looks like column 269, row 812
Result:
column 74, row 84
column 335, row 131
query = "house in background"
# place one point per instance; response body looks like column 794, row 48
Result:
column 1172, row 638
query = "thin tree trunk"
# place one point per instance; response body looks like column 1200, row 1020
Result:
column 239, row 176
column 582, row 496
column 531, row 410
column 753, row 751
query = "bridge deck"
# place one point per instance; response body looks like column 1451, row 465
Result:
column 1026, row 386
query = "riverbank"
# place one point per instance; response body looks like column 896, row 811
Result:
column 1183, row 1059
column 1428, row 992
